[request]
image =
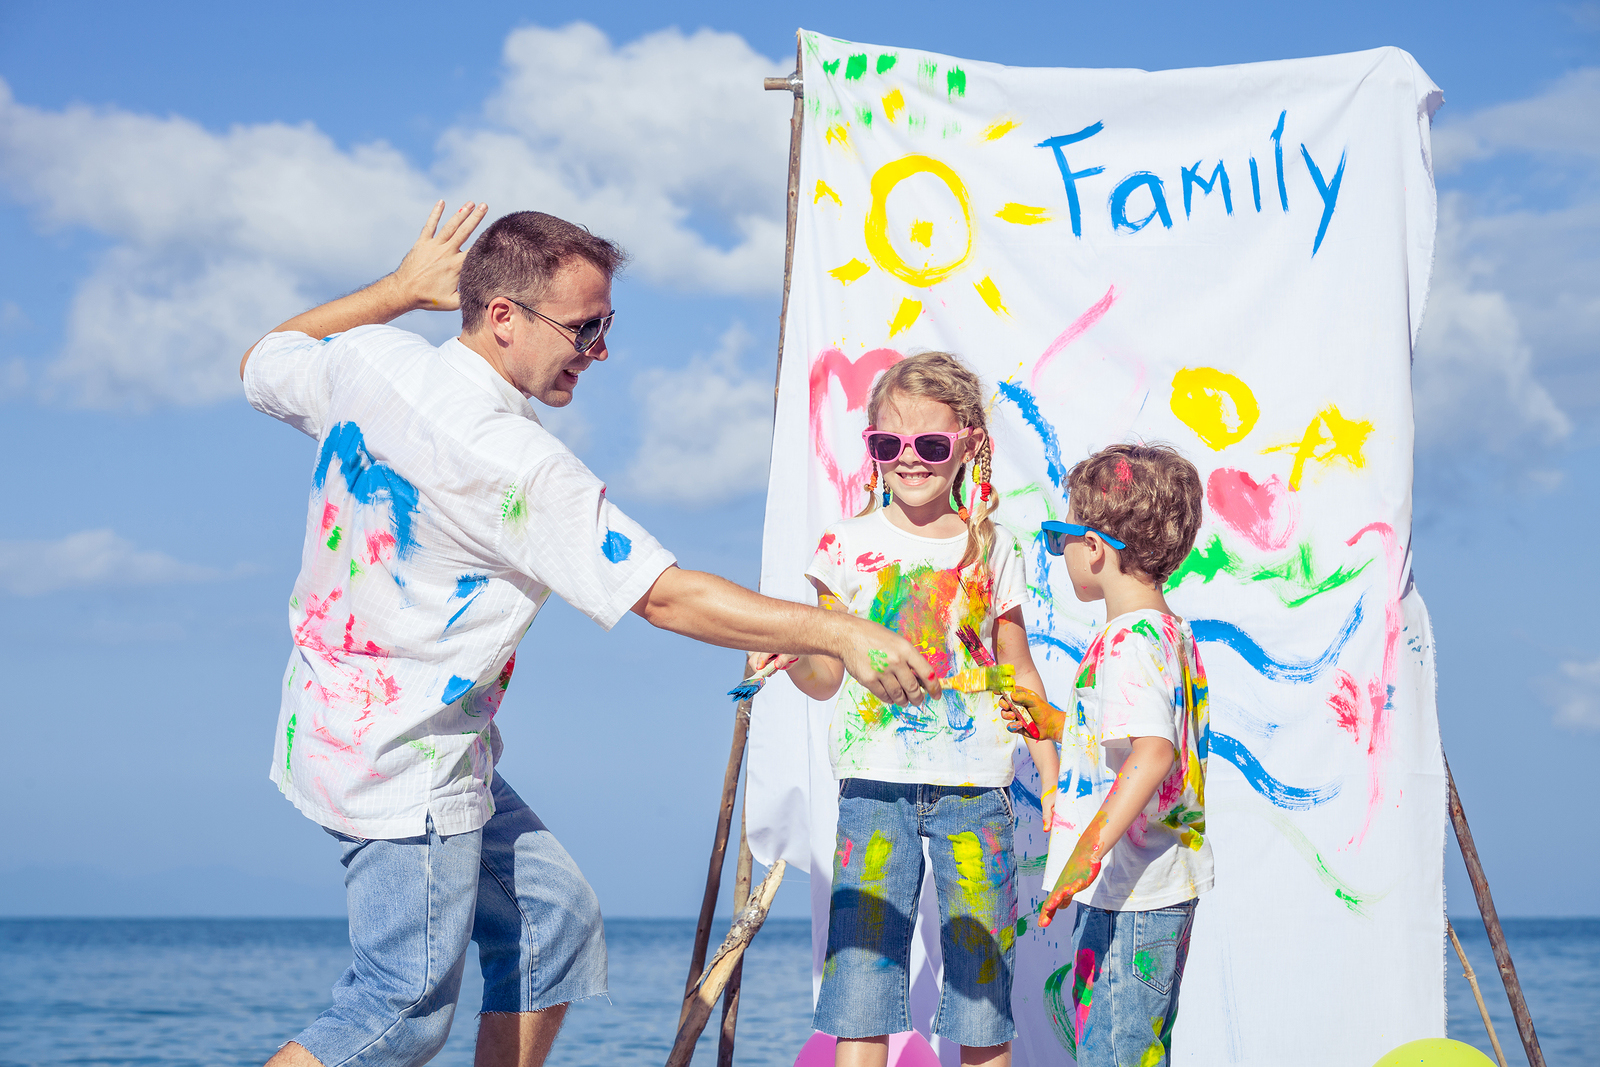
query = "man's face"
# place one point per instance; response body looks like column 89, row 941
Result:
column 537, row 357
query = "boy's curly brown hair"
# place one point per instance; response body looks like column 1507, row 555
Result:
column 1146, row 496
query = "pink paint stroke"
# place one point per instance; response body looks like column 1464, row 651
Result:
column 1072, row 333
column 1378, row 688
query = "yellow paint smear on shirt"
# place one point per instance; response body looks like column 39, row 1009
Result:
column 1024, row 214
column 849, row 272
column 905, row 316
column 826, row 190
column 893, row 104
column 991, row 295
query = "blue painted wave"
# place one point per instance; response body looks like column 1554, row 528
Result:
column 1279, row 670
column 1284, row 796
column 369, row 481
column 1029, row 407
column 1068, row 645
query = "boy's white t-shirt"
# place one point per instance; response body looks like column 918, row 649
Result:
column 911, row 585
column 1141, row 677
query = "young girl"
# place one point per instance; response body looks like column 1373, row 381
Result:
column 924, row 559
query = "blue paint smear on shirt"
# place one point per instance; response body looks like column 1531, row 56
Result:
column 617, row 547
column 369, row 482
column 1284, row 796
column 456, row 688
column 1279, row 670
column 468, row 586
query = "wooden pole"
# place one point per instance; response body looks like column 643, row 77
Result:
column 719, row 849
column 698, row 1004
column 1491, row 924
column 1477, row 994
column 795, row 83
column 741, row 898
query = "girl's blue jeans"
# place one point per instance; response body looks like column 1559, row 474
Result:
column 877, row 877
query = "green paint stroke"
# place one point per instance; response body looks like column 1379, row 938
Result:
column 1294, row 578
column 928, row 74
column 875, row 858
column 288, row 748
column 916, row 122
column 1357, row 902
column 1060, row 1013
column 1034, row 489
column 830, row 66
column 886, row 61
column 955, row 81
column 865, row 115
column 333, row 538
column 878, row 658
column 1144, row 964
column 514, row 506
column 951, row 129
column 1032, row 864
column 856, row 67
column 355, row 568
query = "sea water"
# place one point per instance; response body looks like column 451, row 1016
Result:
column 224, row 992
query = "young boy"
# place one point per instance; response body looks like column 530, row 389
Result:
column 1139, row 712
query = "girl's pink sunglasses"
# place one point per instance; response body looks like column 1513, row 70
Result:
column 930, row 447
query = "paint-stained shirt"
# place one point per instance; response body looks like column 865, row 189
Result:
column 441, row 515
column 915, row 586
column 1140, row 677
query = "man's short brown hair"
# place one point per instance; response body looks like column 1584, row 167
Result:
column 519, row 255
column 1146, row 496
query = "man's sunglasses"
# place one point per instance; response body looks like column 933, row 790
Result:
column 886, row 447
column 1056, row 534
column 584, row 337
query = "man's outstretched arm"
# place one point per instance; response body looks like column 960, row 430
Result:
column 718, row 612
column 425, row 279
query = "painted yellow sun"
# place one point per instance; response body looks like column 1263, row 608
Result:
column 935, row 243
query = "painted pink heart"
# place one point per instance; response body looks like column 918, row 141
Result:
column 855, row 377
column 1265, row 513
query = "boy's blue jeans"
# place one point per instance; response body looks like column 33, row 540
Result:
column 877, row 878
column 1127, row 966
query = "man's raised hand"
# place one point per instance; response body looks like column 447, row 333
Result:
column 429, row 273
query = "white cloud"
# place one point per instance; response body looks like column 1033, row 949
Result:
column 707, row 428
column 1576, row 695
column 92, row 558
column 1506, row 359
column 667, row 144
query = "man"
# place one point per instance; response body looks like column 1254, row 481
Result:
column 442, row 515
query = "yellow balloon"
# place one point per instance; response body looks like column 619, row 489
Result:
column 877, row 227
column 1435, row 1052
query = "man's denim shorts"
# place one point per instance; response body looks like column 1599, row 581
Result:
column 1126, row 970
column 415, row 903
column 877, row 877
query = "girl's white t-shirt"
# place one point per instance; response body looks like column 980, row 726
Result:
column 912, row 585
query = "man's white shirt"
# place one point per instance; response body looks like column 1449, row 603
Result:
column 441, row 516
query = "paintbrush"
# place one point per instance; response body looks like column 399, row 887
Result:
column 980, row 679
column 980, row 654
column 748, row 688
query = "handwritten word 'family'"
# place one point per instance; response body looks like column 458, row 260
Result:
column 1193, row 177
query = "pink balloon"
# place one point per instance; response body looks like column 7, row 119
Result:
column 909, row 1049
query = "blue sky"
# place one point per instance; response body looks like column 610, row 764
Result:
column 177, row 178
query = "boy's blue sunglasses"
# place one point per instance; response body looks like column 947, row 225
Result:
column 1056, row 534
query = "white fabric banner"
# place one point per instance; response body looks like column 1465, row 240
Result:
column 1232, row 260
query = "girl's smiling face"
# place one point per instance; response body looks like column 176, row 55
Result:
column 914, row 482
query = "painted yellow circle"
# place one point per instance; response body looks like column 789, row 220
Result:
column 883, row 183
column 1435, row 1052
column 1218, row 407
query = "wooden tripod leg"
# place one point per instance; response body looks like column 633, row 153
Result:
column 1491, row 924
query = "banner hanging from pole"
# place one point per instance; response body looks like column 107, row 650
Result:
column 1231, row 260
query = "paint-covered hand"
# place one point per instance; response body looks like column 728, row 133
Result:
column 1082, row 867
column 1047, row 806
column 1023, row 705
column 889, row 666
column 429, row 273
column 756, row 661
